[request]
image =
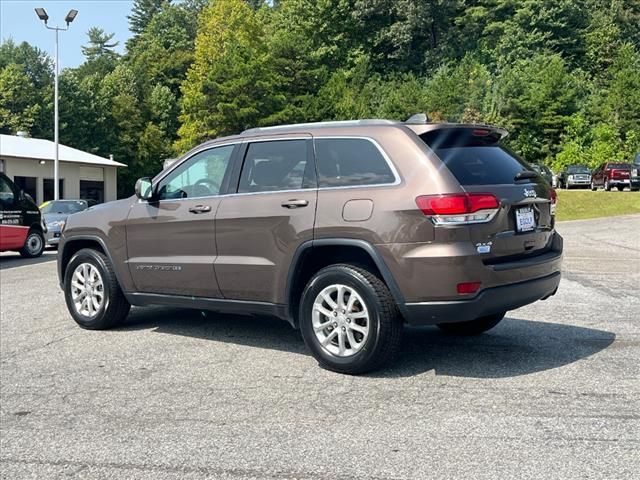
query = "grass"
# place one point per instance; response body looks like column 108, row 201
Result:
column 581, row 204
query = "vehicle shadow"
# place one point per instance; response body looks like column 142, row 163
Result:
column 13, row 260
column 515, row 347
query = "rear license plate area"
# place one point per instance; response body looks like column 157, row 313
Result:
column 525, row 219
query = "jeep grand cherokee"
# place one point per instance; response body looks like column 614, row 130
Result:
column 347, row 230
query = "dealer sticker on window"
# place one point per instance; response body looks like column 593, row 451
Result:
column 525, row 219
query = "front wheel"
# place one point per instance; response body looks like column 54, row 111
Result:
column 349, row 320
column 34, row 245
column 607, row 186
column 473, row 327
column 92, row 293
column 593, row 186
column 620, row 188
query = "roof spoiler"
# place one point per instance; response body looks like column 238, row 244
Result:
column 418, row 119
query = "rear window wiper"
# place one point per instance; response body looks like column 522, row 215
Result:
column 525, row 175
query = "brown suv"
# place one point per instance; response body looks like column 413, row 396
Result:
column 347, row 230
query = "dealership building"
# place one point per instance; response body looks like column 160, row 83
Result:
column 29, row 163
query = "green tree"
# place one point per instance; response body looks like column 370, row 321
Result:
column 143, row 12
column 18, row 111
column 230, row 85
column 535, row 98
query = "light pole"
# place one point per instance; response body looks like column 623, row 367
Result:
column 42, row 15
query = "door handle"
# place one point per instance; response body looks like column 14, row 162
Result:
column 295, row 203
column 200, row 209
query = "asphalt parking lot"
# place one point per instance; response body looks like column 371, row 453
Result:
column 552, row 392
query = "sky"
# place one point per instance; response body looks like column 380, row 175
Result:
column 19, row 21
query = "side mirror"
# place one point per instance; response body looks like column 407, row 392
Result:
column 144, row 188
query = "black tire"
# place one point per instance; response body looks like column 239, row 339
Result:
column 620, row 188
column 385, row 322
column 607, row 186
column 593, row 186
column 33, row 245
column 473, row 327
column 114, row 308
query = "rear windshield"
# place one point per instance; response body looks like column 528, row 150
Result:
column 577, row 169
column 473, row 159
column 619, row 165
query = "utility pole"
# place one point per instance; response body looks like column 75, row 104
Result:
column 42, row 15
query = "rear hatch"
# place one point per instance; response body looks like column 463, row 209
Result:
column 524, row 222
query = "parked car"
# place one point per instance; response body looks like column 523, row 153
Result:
column 574, row 176
column 55, row 214
column 615, row 175
column 635, row 172
column 543, row 170
column 21, row 226
column 347, row 230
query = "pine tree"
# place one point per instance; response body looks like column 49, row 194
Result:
column 142, row 13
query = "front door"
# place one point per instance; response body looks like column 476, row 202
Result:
column 259, row 228
column 171, row 240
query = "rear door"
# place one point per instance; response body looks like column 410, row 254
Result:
column 524, row 223
column 272, row 212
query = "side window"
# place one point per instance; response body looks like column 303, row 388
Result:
column 346, row 162
column 200, row 176
column 275, row 165
column 7, row 197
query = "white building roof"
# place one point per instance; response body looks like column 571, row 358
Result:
column 21, row 147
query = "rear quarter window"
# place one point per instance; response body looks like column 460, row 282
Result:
column 347, row 162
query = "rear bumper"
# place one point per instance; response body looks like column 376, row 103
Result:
column 489, row 301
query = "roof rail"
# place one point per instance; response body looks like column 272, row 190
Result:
column 336, row 123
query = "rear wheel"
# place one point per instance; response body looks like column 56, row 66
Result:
column 349, row 320
column 34, row 245
column 620, row 188
column 92, row 293
column 473, row 327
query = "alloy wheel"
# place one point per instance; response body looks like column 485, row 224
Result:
column 87, row 290
column 340, row 320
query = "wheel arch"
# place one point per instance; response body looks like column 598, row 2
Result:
column 76, row 243
column 314, row 255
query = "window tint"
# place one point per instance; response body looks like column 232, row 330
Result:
column 619, row 165
column 489, row 165
column 200, row 176
column 272, row 166
column 6, row 193
column 349, row 162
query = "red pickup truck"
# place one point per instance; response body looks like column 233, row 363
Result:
column 614, row 174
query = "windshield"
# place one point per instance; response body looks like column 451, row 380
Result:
column 65, row 207
column 578, row 169
column 619, row 165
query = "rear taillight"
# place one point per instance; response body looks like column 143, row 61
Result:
column 459, row 208
column 554, row 201
column 467, row 288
